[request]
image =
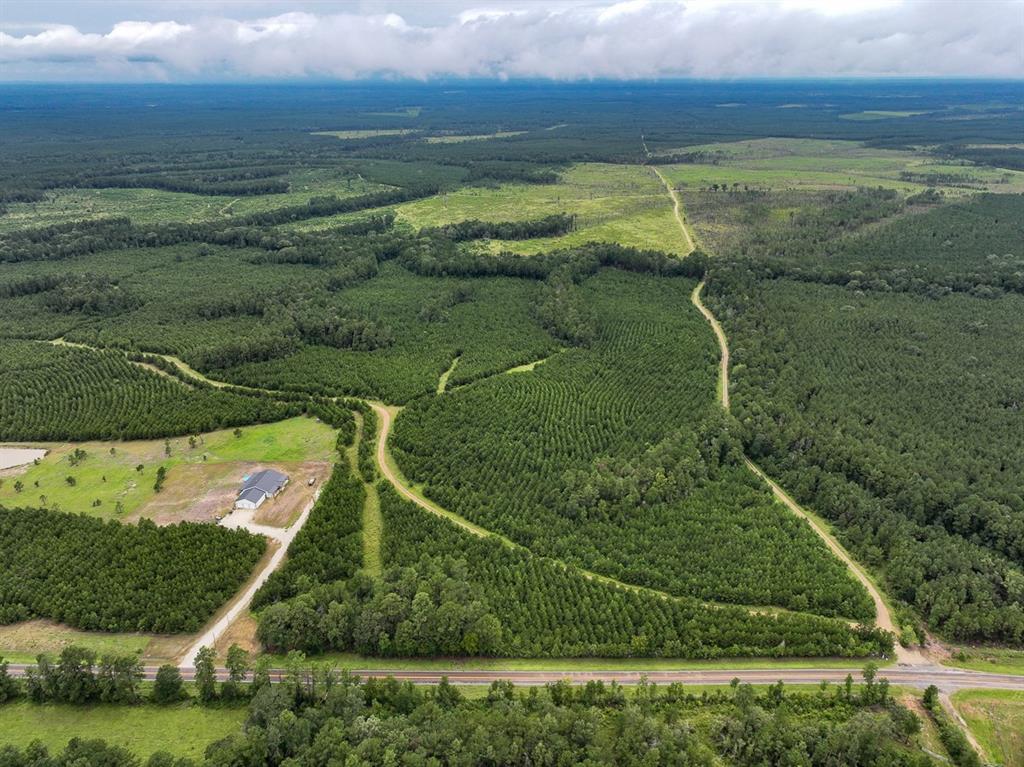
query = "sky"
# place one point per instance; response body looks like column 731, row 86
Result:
column 260, row 40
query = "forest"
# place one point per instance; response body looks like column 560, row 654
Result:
column 50, row 392
column 108, row 576
column 883, row 389
column 226, row 263
column 613, row 458
column 446, row 592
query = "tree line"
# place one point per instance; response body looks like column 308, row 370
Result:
column 317, row 716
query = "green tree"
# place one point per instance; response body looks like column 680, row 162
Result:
column 168, row 687
column 238, row 666
column 206, row 674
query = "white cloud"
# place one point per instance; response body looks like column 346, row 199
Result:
column 619, row 40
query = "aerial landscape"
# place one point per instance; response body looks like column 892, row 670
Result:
column 458, row 384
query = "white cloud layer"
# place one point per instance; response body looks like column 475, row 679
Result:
column 624, row 40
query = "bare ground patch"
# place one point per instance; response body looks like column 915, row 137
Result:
column 25, row 640
column 200, row 492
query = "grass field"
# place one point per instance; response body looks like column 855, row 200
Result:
column 996, row 717
column 22, row 642
column 779, row 163
column 350, row 134
column 156, row 206
column 612, row 203
column 474, row 137
column 112, row 477
column 997, row 660
column 184, row 730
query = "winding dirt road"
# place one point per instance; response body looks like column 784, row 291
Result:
column 883, row 616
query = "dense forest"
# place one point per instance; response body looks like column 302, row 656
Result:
column 330, row 718
column 108, row 576
column 52, row 392
column 447, row 592
column 613, row 457
column 891, row 403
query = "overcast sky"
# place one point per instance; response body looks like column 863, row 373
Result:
column 213, row 40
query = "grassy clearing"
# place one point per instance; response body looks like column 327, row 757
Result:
column 878, row 114
column 22, row 642
column 350, row 134
column 157, row 206
column 996, row 717
column 612, row 203
column 373, row 530
column 183, row 731
column 778, row 163
column 109, row 472
column 474, row 137
column 997, row 660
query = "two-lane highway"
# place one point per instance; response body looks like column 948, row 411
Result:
column 946, row 679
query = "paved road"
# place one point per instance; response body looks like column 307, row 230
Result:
column 946, row 679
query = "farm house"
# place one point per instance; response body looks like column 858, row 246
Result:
column 258, row 487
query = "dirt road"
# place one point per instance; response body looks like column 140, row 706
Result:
column 241, row 519
column 883, row 617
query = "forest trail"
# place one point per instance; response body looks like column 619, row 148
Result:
column 959, row 721
column 677, row 210
column 883, row 616
column 442, row 382
column 723, row 346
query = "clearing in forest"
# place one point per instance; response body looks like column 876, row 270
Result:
column 203, row 472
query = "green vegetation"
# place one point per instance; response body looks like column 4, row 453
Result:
column 108, row 472
column 598, row 724
column 610, row 203
column 329, row 546
column 996, row 718
column 183, row 731
column 924, row 488
column 62, row 392
column 621, row 465
column 90, row 574
column 998, row 660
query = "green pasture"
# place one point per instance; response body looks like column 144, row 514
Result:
column 996, row 717
column 157, row 206
column 108, row 472
column 780, row 163
column 182, row 730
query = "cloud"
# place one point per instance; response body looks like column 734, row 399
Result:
column 622, row 40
